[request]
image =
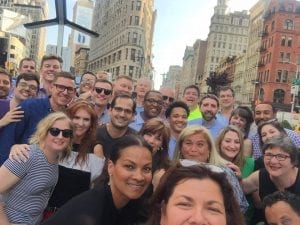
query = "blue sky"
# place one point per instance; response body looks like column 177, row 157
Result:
column 178, row 24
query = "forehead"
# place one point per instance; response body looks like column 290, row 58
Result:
column 137, row 153
column 4, row 76
column 144, row 82
column 64, row 80
column 209, row 101
column 103, row 85
column 88, row 75
column 124, row 81
column 167, row 91
column 197, row 136
column 275, row 149
column 191, row 90
column 178, row 110
column 154, row 95
column 28, row 62
column 51, row 62
column 61, row 123
column 231, row 133
column 124, row 102
column 263, row 107
column 28, row 81
column 226, row 92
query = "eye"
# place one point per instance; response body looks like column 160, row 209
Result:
column 129, row 167
column 184, row 204
column 215, row 210
column 148, row 169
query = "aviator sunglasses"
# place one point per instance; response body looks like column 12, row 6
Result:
column 170, row 99
column 106, row 91
column 66, row 133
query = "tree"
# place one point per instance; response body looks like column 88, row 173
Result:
column 214, row 81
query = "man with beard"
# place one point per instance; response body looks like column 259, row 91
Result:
column 176, row 114
column 143, row 85
column 5, row 83
column 121, row 112
column 209, row 106
column 152, row 108
column 264, row 112
column 50, row 64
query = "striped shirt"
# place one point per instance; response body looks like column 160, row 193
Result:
column 25, row 201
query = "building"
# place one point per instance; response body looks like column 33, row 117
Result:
column 228, row 36
column 173, row 79
column 124, row 46
column 66, row 56
column 279, row 57
column 82, row 15
column 81, row 60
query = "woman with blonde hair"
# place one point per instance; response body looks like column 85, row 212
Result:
column 23, row 202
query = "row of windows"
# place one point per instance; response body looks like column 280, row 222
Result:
column 278, row 95
column 287, row 25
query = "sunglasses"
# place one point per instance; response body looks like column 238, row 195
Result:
column 106, row 91
column 66, row 133
column 170, row 99
column 213, row 168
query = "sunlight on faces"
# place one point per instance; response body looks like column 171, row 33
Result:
column 230, row 146
column 178, row 119
column 226, row 99
column 190, row 97
column 268, row 131
column 28, row 66
column 123, row 87
column 101, row 99
column 82, row 122
column 195, row 147
column 195, row 201
column 154, row 140
column 263, row 112
column 48, row 69
column 209, row 108
column 238, row 121
column 280, row 213
column 122, row 119
column 62, row 98
column 26, row 89
column 131, row 174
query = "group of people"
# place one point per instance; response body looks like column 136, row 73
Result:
column 114, row 153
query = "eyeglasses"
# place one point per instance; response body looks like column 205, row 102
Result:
column 105, row 91
column 66, row 133
column 279, row 157
column 188, row 163
column 170, row 99
column 30, row 86
column 62, row 88
column 120, row 109
column 153, row 101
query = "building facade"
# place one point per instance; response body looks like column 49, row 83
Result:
column 65, row 55
column 124, row 46
column 81, row 60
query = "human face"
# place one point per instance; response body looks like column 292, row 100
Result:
column 178, row 120
column 121, row 114
column 123, row 87
column 154, row 140
column 87, row 82
column 102, row 75
column 62, row 98
column 48, row 69
column 59, row 143
column 263, row 112
column 82, row 123
column 209, row 109
column 238, row 121
column 101, row 99
column 230, row 146
column 142, row 86
column 195, row 147
column 268, row 131
column 195, row 201
column 153, row 105
column 281, row 213
column 168, row 94
column 26, row 89
column 226, row 99
column 130, row 175
column 28, row 66
column 4, row 85
column 190, row 97
column 275, row 167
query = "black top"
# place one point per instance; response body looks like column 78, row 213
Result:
column 96, row 207
column 106, row 140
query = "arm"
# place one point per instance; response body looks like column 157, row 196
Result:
column 251, row 183
column 19, row 153
column 247, row 147
column 14, row 115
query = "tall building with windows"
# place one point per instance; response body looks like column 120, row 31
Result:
column 124, row 46
column 228, row 36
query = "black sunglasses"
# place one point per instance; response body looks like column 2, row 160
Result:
column 106, row 91
column 66, row 133
column 168, row 98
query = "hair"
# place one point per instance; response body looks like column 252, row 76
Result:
column 27, row 77
column 104, row 81
column 225, row 88
column 25, row 59
column 157, row 126
column 5, row 72
column 116, row 152
column 211, row 96
column 239, row 159
column 177, row 104
column 63, row 74
column 267, row 103
column 51, row 57
column 244, row 112
column 214, row 157
column 151, row 91
column 124, row 77
column 87, row 72
column 178, row 174
column 273, row 123
column 291, row 199
column 192, row 87
column 89, row 138
column 113, row 102
column 285, row 144
column 45, row 124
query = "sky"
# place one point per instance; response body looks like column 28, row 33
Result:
column 179, row 23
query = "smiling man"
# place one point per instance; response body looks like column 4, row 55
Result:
column 191, row 96
column 5, row 83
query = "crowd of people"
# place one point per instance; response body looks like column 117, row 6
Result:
column 119, row 153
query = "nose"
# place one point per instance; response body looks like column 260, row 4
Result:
column 138, row 175
column 197, row 217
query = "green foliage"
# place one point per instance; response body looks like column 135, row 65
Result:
column 287, row 125
column 214, row 81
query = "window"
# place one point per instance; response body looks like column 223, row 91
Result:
column 285, row 76
column 132, row 54
column 131, row 68
column 278, row 96
column 283, row 37
column 281, row 57
column 138, row 5
column 288, row 24
column 273, row 25
column 134, row 39
column 288, row 57
column 289, row 42
column 136, row 20
column 279, row 75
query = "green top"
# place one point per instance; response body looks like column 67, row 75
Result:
column 248, row 167
column 195, row 114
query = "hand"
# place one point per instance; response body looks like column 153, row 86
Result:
column 156, row 177
column 14, row 115
column 85, row 95
column 236, row 169
column 19, row 153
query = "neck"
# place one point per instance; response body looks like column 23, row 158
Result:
column 174, row 134
column 193, row 107
column 227, row 112
column 115, row 132
column 99, row 109
column 285, row 180
column 119, row 201
column 46, row 86
column 51, row 156
column 208, row 123
column 139, row 100
column 14, row 102
column 145, row 118
column 56, row 107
